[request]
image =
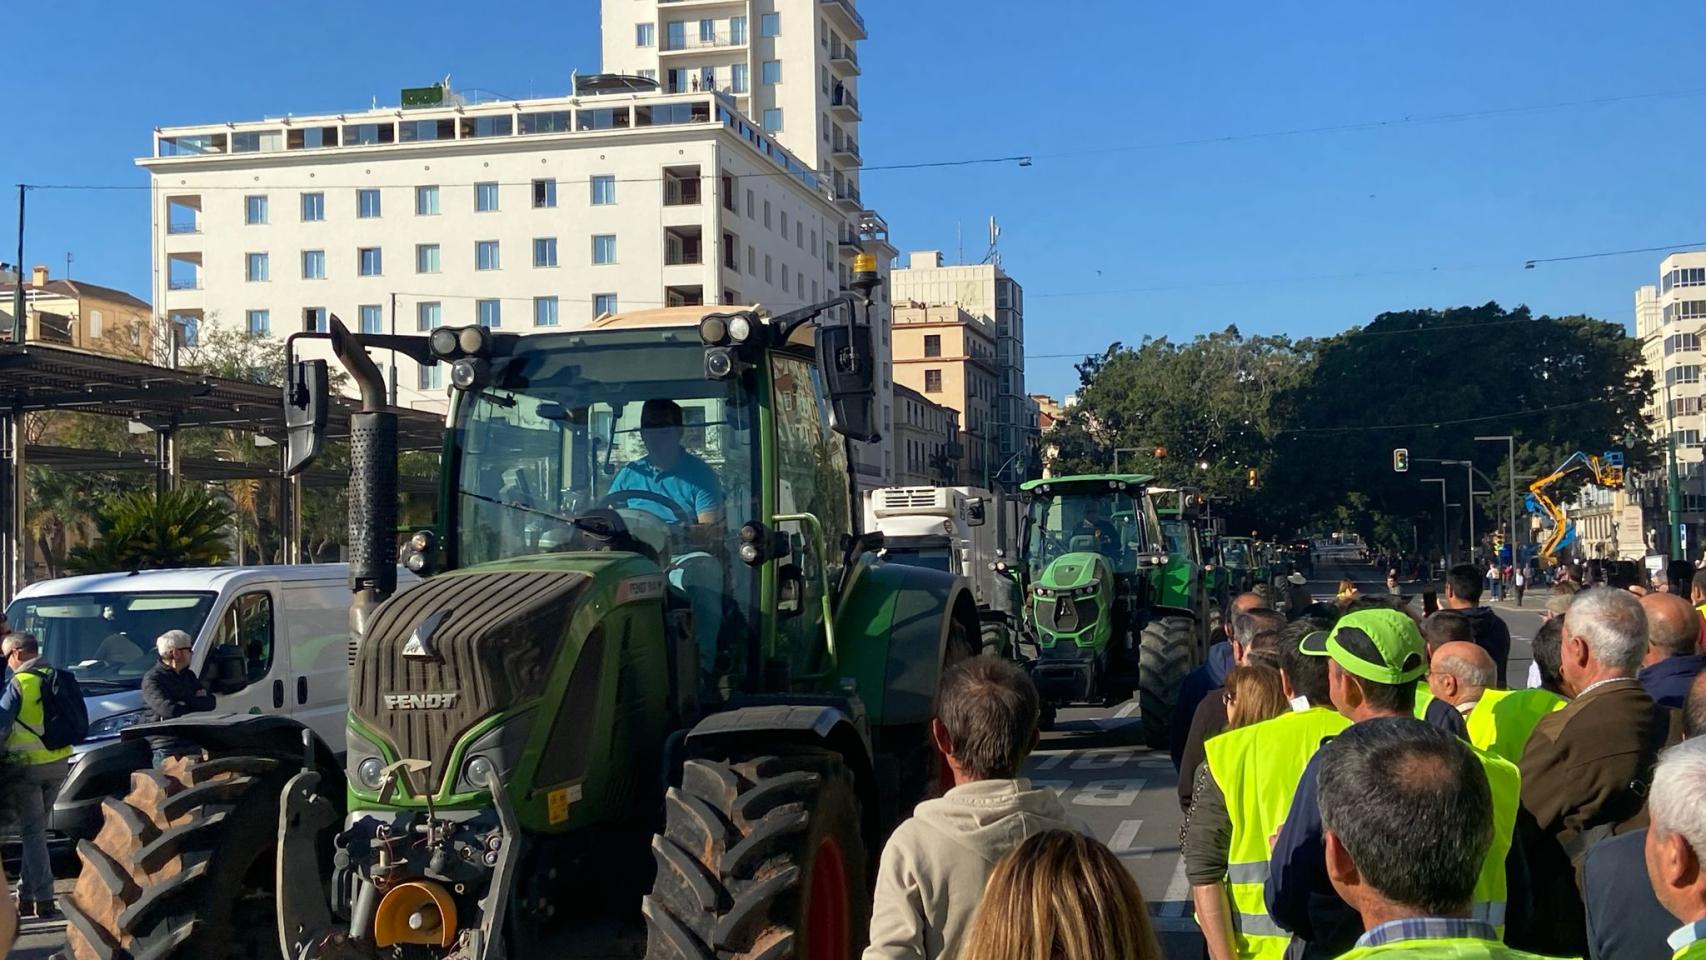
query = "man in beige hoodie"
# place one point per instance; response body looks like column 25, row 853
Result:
column 936, row 864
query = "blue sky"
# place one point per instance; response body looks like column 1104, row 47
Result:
column 1119, row 229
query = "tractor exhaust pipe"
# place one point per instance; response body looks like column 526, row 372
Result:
column 372, row 484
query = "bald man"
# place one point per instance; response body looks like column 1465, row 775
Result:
column 1673, row 654
column 1460, row 673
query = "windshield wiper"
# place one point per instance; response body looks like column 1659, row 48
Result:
column 566, row 518
column 102, row 683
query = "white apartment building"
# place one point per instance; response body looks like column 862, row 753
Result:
column 520, row 215
column 984, row 290
column 1669, row 320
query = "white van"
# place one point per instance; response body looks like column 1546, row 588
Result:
column 271, row 639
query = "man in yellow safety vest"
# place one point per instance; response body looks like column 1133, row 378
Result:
column 1374, row 659
column 1414, row 893
column 22, row 718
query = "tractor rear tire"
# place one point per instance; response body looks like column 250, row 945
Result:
column 760, row 859
column 1164, row 657
column 182, row 865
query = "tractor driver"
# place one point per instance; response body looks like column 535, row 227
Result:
column 1091, row 524
column 672, row 472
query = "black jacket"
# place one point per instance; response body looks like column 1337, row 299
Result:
column 169, row 694
column 1491, row 635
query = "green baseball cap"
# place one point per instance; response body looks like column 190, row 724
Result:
column 1384, row 646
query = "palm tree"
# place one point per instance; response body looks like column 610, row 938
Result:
column 185, row 527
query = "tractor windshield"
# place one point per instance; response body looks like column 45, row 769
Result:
column 578, row 436
column 1104, row 523
column 1236, row 554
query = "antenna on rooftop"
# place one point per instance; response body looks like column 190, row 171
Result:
column 994, row 254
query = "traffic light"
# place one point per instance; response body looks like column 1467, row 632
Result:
column 1252, row 479
column 1401, row 460
column 1160, row 453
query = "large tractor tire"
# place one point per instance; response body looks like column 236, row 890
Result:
column 760, row 859
column 182, row 866
column 1164, row 657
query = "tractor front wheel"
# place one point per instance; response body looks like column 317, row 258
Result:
column 760, row 859
column 183, row 865
column 1164, row 657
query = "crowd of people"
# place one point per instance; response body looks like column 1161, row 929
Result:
column 1397, row 796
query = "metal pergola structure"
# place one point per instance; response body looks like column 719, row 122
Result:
column 39, row 378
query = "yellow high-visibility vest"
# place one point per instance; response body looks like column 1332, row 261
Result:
column 1257, row 768
column 23, row 742
column 1503, row 719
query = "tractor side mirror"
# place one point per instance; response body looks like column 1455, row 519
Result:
column 305, row 402
column 844, row 361
column 974, row 512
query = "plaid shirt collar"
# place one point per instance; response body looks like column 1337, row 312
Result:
column 1428, row 928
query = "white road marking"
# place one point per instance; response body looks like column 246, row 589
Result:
column 1121, row 842
column 1109, row 793
column 1127, row 710
column 1052, row 760
column 1179, row 887
column 1111, row 760
column 1115, row 723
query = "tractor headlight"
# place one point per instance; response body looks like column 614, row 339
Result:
column 479, row 771
column 713, row 330
column 739, row 329
column 474, row 341
column 369, row 772
column 443, row 343
column 470, row 373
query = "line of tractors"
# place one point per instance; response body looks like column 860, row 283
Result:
column 609, row 712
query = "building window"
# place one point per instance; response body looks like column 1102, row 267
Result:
column 94, row 324
column 645, row 34
column 603, row 304
column 370, row 262
column 932, row 381
column 260, row 323
column 490, row 313
column 773, row 120
column 485, row 255
column 770, row 71
column 485, row 197
column 604, row 248
column 783, row 220
column 932, row 344
column 544, row 311
column 770, row 25
column 426, row 201
column 603, row 190
column 426, row 258
column 372, row 318
column 314, row 320
column 544, row 194
column 255, row 268
column 751, row 261
column 749, row 205
column 313, row 207
column 313, row 264
column 739, row 78
column 784, row 278
column 430, row 377
column 367, row 204
column 255, row 210
column 428, row 316
column 766, row 214
column 769, row 269
column 545, row 252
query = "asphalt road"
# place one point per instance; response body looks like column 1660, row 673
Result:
column 1095, row 759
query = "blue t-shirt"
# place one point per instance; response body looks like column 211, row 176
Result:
column 692, row 484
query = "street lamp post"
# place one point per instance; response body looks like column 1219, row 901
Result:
column 1510, row 442
column 1468, row 503
column 1673, row 495
column 1444, row 523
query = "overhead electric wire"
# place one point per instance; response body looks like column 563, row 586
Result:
column 1356, row 428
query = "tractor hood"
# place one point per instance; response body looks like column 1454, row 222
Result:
column 1073, row 570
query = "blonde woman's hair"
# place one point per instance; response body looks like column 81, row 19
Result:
column 1061, row 896
column 1255, row 693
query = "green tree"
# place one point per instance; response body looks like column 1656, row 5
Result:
column 139, row 531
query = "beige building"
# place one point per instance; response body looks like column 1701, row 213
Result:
column 87, row 316
column 948, row 356
column 984, row 290
column 926, row 441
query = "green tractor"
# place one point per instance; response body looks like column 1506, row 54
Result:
column 1107, row 609
column 652, row 673
column 1238, row 560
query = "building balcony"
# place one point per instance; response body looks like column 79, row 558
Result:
column 843, row 105
column 846, row 153
column 693, row 4
column 844, row 60
column 847, row 198
column 698, row 42
column 845, row 17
